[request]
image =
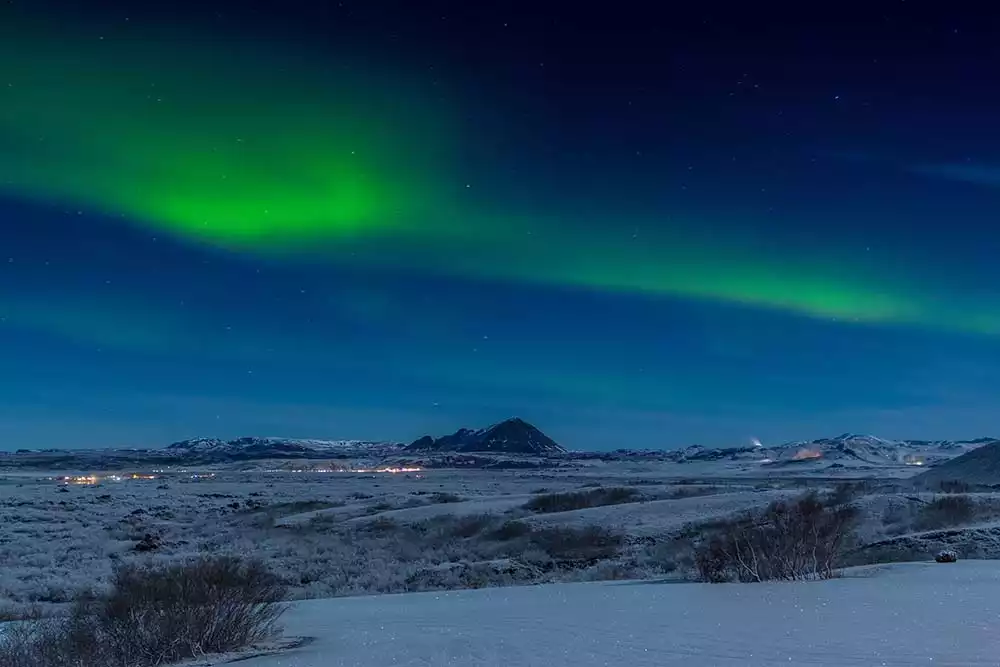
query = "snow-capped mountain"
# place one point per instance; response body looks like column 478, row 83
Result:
column 845, row 448
column 849, row 446
column 512, row 436
column 271, row 447
column 872, row 449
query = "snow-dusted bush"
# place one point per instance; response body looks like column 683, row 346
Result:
column 154, row 616
column 789, row 540
column 444, row 497
column 592, row 543
column 565, row 502
column 845, row 492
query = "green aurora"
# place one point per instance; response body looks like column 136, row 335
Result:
column 274, row 156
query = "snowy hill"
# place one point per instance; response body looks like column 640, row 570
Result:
column 978, row 466
column 512, row 436
column 901, row 615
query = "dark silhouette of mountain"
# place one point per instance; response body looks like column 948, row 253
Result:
column 511, row 436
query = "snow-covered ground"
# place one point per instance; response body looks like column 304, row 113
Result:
column 900, row 615
column 341, row 534
column 660, row 516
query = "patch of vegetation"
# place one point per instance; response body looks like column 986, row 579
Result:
column 566, row 502
column 954, row 486
column 470, row 526
column 946, row 511
column 846, row 492
column 692, row 491
column 589, row 544
column 509, row 530
column 444, row 497
column 290, row 508
column 383, row 524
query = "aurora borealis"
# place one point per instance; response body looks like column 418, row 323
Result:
column 374, row 220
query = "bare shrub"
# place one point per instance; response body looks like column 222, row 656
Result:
column 714, row 561
column 470, row 526
column 954, row 486
column 577, row 544
column 290, row 508
column 210, row 606
column 154, row 616
column 945, row 511
column 510, row 530
column 383, row 524
column 9, row 612
column 380, row 507
column 845, row 492
column 565, row 502
column 789, row 540
column 444, row 497
column 681, row 492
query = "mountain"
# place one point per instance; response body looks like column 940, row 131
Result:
column 846, row 449
column 249, row 448
column 849, row 447
column 512, row 436
column 978, row 466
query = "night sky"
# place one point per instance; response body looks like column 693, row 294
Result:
column 631, row 224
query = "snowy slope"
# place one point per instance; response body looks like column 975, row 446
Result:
column 903, row 615
column 979, row 466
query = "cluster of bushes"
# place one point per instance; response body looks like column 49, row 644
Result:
column 954, row 486
column 487, row 536
column 154, row 616
column 578, row 500
column 946, row 511
column 325, row 558
column 793, row 540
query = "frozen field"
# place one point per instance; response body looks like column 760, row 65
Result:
column 328, row 534
column 345, row 534
column 900, row 615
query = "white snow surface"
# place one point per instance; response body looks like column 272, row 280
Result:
column 905, row 614
column 659, row 516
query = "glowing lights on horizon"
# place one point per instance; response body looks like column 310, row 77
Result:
column 94, row 479
column 383, row 470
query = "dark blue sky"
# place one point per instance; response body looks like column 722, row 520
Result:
column 631, row 225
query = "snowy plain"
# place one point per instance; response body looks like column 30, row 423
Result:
column 337, row 534
column 315, row 529
column 898, row 615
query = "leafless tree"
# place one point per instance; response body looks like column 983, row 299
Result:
column 789, row 540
